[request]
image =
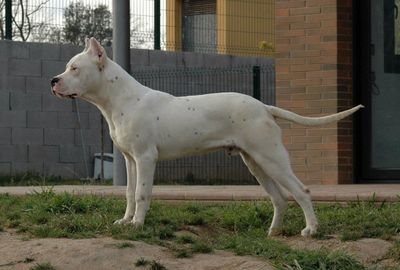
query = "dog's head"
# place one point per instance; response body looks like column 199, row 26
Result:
column 83, row 72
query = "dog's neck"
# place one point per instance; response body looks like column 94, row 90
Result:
column 116, row 89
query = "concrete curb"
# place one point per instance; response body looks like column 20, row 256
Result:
column 319, row 193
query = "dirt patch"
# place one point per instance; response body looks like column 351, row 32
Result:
column 106, row 253
column 367, row 251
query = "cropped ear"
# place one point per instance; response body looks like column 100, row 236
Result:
column 86, row 45
column 97, row 51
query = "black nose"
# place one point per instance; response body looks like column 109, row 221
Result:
column 54, row 81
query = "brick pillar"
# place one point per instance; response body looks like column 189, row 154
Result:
column 314, row 63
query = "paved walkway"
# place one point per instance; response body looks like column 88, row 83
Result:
column 320, row 193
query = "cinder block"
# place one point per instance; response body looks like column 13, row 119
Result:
column 90, row 136
column 189, row 59
column 38, row 84
column 54, row 104
column 69, row 50
column 70, row 120
column 44, row 153
column 52, row 68
column 94, row 120
column 25, row 67
column 22, row 167
column 64, row 170
column 44, row 51
column 75, row 154
column 4, row 101
column 3, row 66
column 42, row 119
column 3, row 82
column 5, row 136
column 5, row 168
column 27, row 102
column 29, row 136
column 13, row 153
column 20, row 50
column 139, row 58
column 56, row 136
column 12, row 119
column 162, row 58
column 5, row 49
column 82, row 106
column 15, row 84
column 83, row 170
column 215, row 60
column 244, row 61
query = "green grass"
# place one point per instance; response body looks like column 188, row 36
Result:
column 35, row 179
column 43, row 266
column 239, row 227
column 155, row 265
column 125, row 245
column 141, row 262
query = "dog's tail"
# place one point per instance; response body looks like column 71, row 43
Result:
column 311, row 121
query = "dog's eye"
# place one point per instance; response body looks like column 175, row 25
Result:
column 74, row 68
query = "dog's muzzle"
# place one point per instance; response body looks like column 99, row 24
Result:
column 53, row 83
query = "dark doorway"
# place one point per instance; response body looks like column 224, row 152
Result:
column 377, row 85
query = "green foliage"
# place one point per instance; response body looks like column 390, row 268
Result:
column 43, row 266
column 84, row 21
column 125, row 245
column 201, row 247
column 395, row 251
column 30, row 179
column 185, row 239
column 141, row 262
column 183, row 253
column 155, row 265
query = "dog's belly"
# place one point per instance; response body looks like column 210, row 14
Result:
column 179, row 143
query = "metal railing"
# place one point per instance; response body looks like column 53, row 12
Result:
column 239, row 27
column 214, row 168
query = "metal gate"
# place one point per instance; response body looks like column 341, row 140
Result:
column 214, row 168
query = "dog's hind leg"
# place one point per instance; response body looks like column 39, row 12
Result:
column 275, row 162
column 277, row 195
column 130, row 190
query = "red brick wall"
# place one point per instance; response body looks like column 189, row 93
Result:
column 314, row 65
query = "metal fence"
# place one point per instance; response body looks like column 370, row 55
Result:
column 215, row 168
column 240, row 27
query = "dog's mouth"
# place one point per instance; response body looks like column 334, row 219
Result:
column 60, row 95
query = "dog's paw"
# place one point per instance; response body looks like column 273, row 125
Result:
column 137, row 224
column 309, row 231
column 275, row 231
column 123, row 221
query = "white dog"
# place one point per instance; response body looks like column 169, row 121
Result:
column 148, row 125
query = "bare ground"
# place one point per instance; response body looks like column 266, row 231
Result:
column 17, row 250
column 368, row 251
column 103, row 253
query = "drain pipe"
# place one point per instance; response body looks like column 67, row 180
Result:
column 121, row 55
column 82, row 140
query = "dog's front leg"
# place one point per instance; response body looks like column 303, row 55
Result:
column 145, row 173
column 130, row 190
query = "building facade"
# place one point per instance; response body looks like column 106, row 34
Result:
column 330, row 55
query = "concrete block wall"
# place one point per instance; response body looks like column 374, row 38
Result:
column 41, row 133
